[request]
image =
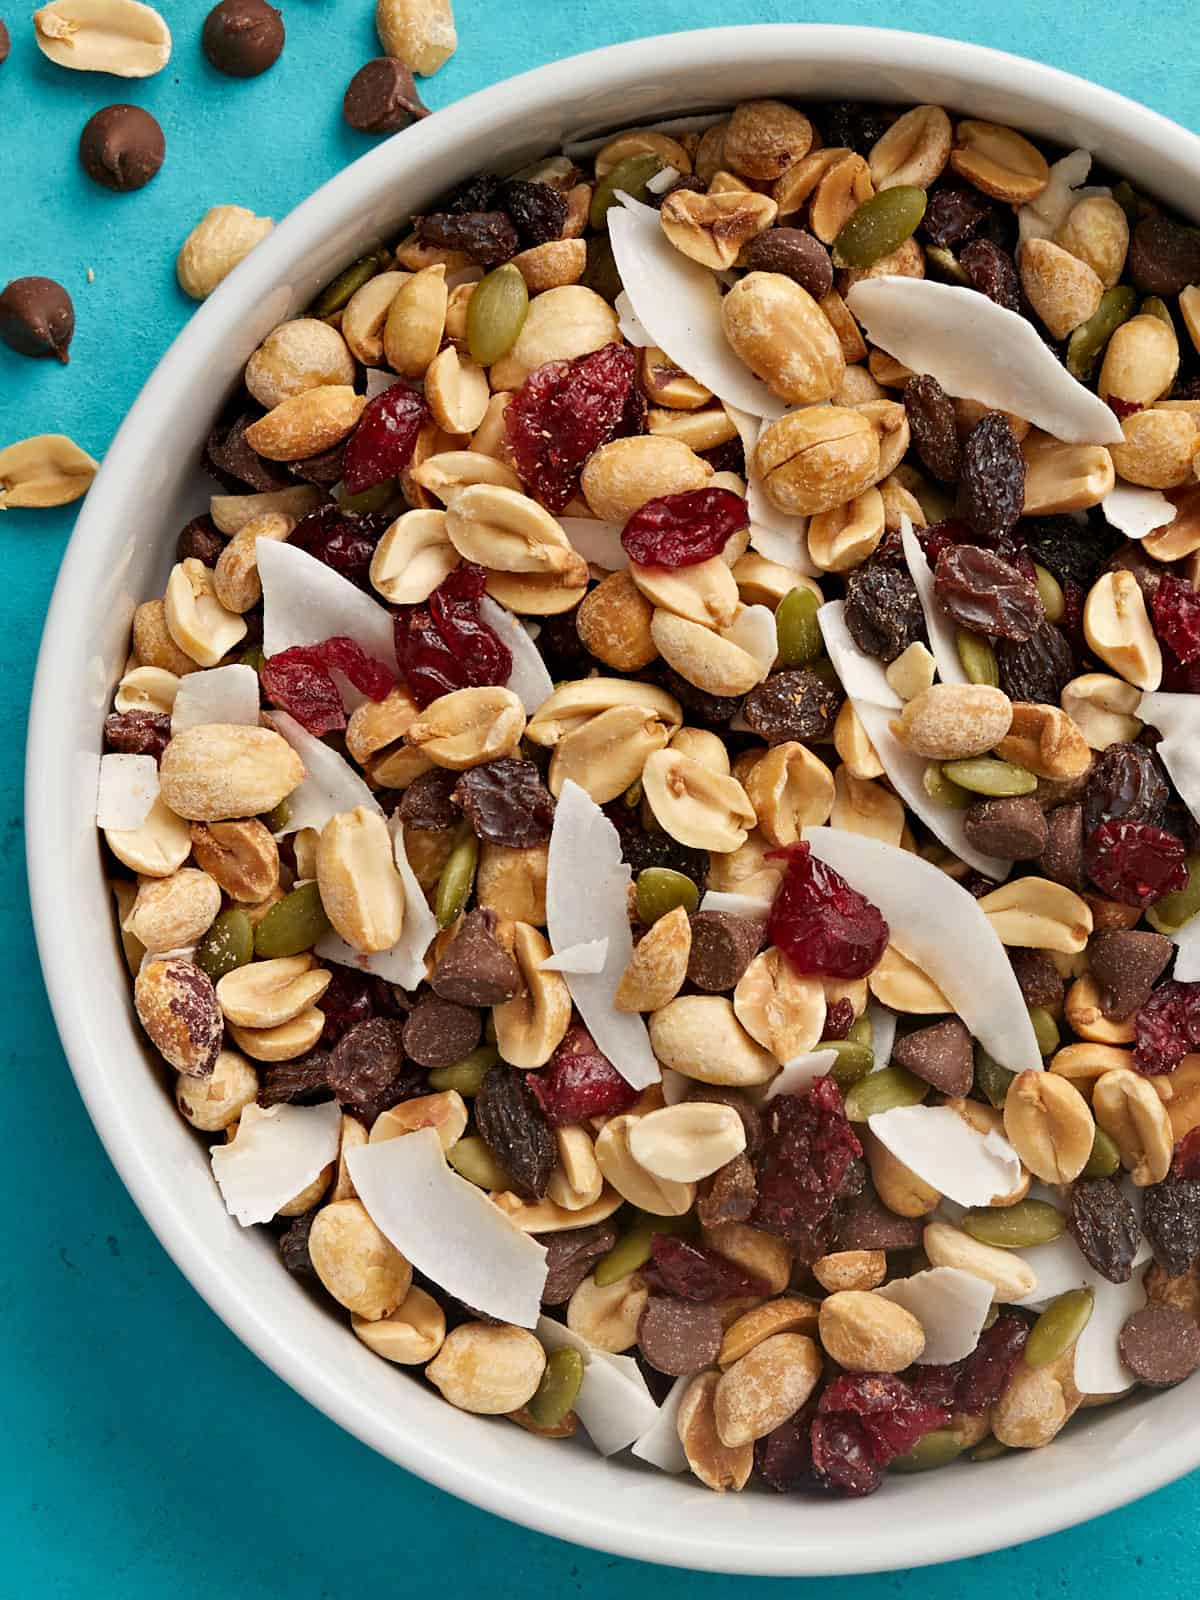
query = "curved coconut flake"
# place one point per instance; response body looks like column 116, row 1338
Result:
column 905, row 771
column 587, row 895
column 1098, row 1365
column 753, row 630
column 978, row 350
column 800, row 1073
column 578, row 958
column 1058, row 1266
column 1042, row 217
column 943, row 635
column 631, row 329
column 1187, row 943
column 615, row 1407
column 276, row 1153
column 379, row 381
column 779, row 535
column 304, row 602
column 404, row 963
column 756, row 907
column 937, row 924
column 529, row 680
column 1177, row 718
column 862, row 677
column 222, row 694
column 660, row 1445
column 951, row 1306
column 126, row 789
column 678, row 303
column 690, row 124
column 597, row 542
column 330, row 784
column 883, row 1031
column 1137, row 512
column 968, row 1167
column 448, row 1228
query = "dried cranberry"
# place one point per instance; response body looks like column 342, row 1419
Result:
column 512, row 1125
column 367, row 1069
column 883, row 611
column 783, row 1457
column 137, row 733
column 984, row 1374
column 341, row 540
column 1128, row 784
column 680, row 530
column 444, row 645
column 507, row 803
column 347, row 1000
column 1176, row 612
column 562, row 413
column 808, row 1150
column 488, row 238
column 381, row 445
column 954, row 216
column 693, row 1273
column 1135, row 863
column 1105, row 1227
column 1171, row 1218
column 983, row 592
column 842, row 1455
column 930, row 414
column 369, row 677
column 579, row 1082
column 993, row 272
column 1167, row 1027
column 893, row 1418
column 538, row 210
column 991, row 486
column 1187, row 1155
column 1036, row 669
column 823, row 926
column 300, row 684
column 839, row 1019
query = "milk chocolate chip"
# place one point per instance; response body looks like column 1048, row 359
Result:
column 941, row 1055
column 121, row 148
column 475, row 969
column 1160, row 1345
column 1125, row 964
column 723, row 946
column 242, row 38
column 37, row 318
column 438, row 1033
column 679, row 1337
column 382, row 97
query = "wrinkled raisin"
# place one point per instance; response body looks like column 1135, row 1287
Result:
column 794, row 704
column 707, row 710
column 299, row 1082
column 681, row 530
column 348, row 999
column 1135, row 863
column 954, row 216
column 429, row 804
column 511, row 1124
column 1037, row 669
column 367, row 1069
column 983, row 592
column 808, row 1151
column 381, row 445
column 579, row 1081
column 1167, row 1027
column 1127, row 781
column 341, row 540
column 824, row 927
column 137, row 733
column 692, row 1272
column 293, row 1245
column 1164, row 256
column 477, row 193
column 883, row 611
column 854, row 124
column 993, row 272
column 199, row 541
column 507, row 803
column 991, row 487
column 562, row 413
column 444, row 644
column 930, row 414
column 1105, row 1227
column 488, row 238
column 642, row 849
column 538, row 211
column 1172, row 1222
column 1068, row 549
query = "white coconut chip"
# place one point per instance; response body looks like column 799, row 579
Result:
column 951, row 1306
column 800, row 1073
column 614, row 1406
column 529, row 680
column 678, row 302
column 448, row 1228
column 631, row 329
column 756, row 907
column 380, row 381
column 660, row 1445
column 126, row 789
column 330, row 785
column 587, row 896
column 968, row 1167
column 883, row 1032
column 779, row 535
column 937, row 924
column 276, row 1154
column 1187, row 942
column 222, row 694
column 662, row 181
column 1098, row 1365
column 404, row 963
column 577, row 958
column 1136, row 512
column 978, row 350
column 862, row 677
column 1042, row 217
column 1177, row 718
column 599, row 543
column 304, row 602
column 753, row 630
column 690, row 124
column 943, row 635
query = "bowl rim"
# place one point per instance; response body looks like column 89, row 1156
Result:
column 49, row 861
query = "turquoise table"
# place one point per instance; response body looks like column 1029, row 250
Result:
column 146, row 1454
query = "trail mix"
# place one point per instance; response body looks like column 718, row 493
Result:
column 655, row 819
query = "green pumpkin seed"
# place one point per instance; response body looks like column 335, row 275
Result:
column 946, row 265
column 277, row 820
column 853, row 1061
column 600, row 275
column 884, row 1091
column 1153, row 306
column 253, row 658
column 1134, row 205
column 1017, row 1227
column 986, row 774
column 335, row 294
column 936, row 505
column 796, row 628
column 465, row 1075
column 1170, row 913
column 1105, row 1157
column 1045, row 1030
column 1058, row 1327
column 474, row 1161
column 991, row 1079
column 1090, row 339
column 940, row 789
column 879, row 226
column 633, row 795
column 228, row 944
column 631, row 176
column 661, row 889
column 559, row 1388
column 372, row 499
column 458, row 877
column 988, row 1450
column 293, row 924
column 1050, row 592
column 824, row 669
column 977, row 658
column 861, row 1031
column 937, row 1448
column 496, row 314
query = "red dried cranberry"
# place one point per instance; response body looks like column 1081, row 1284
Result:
column 1187, row 1155
column 694, row 1273
column 842, row 1456
column 807, row 1154
column 444, row 645
column 1135, row 863
column 1167, row 1027
column 341, row 540
column 937, row 1385
column 823, row 926
column 783, row 1457
column 1124, row 408
column 1176, row 611
column 580, row 1081
column 563, row 411
column 347, row 1000
column 680, row 530
column 866, row 1420
column 839, row 1019
column 381, row 445
column 984, row 1374
column 299, row 683
column 137, row 733
column 369, row 677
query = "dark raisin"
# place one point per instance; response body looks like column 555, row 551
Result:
column 883, row 611
column 1126, row 781
column 727, row 457
column 987, row 594
column 794, row 704
column 199, row 541
column 643, row 848
column 993, row 272
column 570, row 1256
column 367, row 1069
column 1172, row 1223
column 137, row 733
column 299, row 1082
column 538, row 211
column 1036, row 669
column 562, row 649
column 783, row 1457
column 488, row 238
column 511, row 1124
column 1164, row 256
column 708, row 710
column 1105, row 1227
column 991, row 488
column 954, row 216
column 477, row 193
column 348, row 999
column 428, row 802
column 1068, row 549
column 931, row 421
column 293, row 1244
column 507, row 803
column 853, row 124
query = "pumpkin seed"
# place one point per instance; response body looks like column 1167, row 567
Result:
column 1090, row 339
column 600, row 275
column 937, row 1448
column 977, row 658
column 854, row 1060
column 941, row 790
column 661, row 889
column 631, row 176
column 987, row 775
column 253, row 658
column 861, row 1031
column 945, row 265
column 988, row 1450
column 884, row 1091
column 336, row 294
column 1017, row 1227
column 293, row 924
column 1050, row 592
column 991, row 1079
column 1045, row 1030
column 1153, row 306
column 559, row 1387
column 465, row 1075
column 1105, row 1157
column 458, row 877
column 1134, row 205
column 796, row 628
column 824, row 668
column 372, row 499
column 277, row 820
column 1170, row 913
column 879, row 226
column 633, row 795
column 496, row 314
column 474, row 1161
column 228, row 944
column 1058, row 1327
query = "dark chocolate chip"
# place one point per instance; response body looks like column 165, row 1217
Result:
column 235, row 465
column 723, row 946
column 242, row 38
column 679, row 1337
column 796, row 254
column 382, row 97
column 1160, row 1345
column 941, row 1055
column 37, row 318
column 1062, row 859
column 438, row 1033
column 1012, row 828
column 200, row 541
column 570, row 1256
column 4, row 43
column 1125, row 964
column 475, row 968
column 121, row 148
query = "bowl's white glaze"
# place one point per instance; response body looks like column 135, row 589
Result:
column 121, row 552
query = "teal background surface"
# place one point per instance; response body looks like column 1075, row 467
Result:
column 146, row 1454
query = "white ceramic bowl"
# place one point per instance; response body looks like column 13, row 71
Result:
column 121, row 552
